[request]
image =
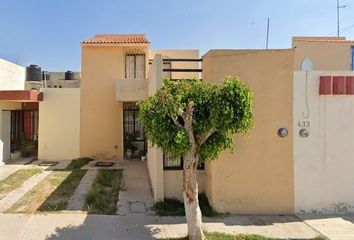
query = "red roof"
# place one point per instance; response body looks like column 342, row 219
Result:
column 117, row 39
column 21, row 96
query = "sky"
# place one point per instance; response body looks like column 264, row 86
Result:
column 49, row 32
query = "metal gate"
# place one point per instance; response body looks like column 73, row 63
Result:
column 133, row 128
column 24, row 127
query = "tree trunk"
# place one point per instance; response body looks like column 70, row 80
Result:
column 190, row 197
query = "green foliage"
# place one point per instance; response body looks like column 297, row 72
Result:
column 129, row 142
column 174, row 207
column 224, row 236
column 26, row 146
column 169, row 207
column 76, row 164
column 227, row 108
column 103, row 195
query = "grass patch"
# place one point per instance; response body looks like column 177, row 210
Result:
column 16, row 180
column 58, row 200
column 223, row 236
column 54, row 191
column 103, row 195
column 174, row 207
column 33, row 199
column 78, row 163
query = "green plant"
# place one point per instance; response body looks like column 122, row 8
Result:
column 197, row 121
column 26, row 146
column 169, row 207
column 129, row 140
column 174, row 207
column 103, row 195
column 142, row 152
column 78, row 163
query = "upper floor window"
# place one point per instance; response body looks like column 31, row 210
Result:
column 135, row 66
column 307, row 65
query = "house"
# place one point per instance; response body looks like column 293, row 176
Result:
column 297, row 158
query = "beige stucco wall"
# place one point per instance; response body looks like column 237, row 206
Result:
column 155, row 168
column 101, row 116
column 131, row 90
column 171, row 53
column 59, row 124
column 328, row 56
column 323, row 162
column 12, row 76
column 257, row 177
column 154, row 154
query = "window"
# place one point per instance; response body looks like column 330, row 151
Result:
column 166, row 65
column 135, row 66
column 169, row 164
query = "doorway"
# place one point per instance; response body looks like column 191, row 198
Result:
column 134, row 137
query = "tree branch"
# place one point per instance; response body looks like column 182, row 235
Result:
column 188, row 120
column 175, row 121
column 202, row 137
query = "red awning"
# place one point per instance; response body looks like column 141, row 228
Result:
column 21, row 96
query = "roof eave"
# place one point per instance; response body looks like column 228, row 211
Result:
column 114, row 44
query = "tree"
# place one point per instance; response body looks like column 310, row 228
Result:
column 197, row 121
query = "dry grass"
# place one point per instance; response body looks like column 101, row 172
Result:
column 16, row 180
column 54, row 191
column 58, row 200
column 33, row 199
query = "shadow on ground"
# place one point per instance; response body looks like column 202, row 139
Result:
column 151, row 227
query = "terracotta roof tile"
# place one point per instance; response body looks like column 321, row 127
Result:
column 117, row 39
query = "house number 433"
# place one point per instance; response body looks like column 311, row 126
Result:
column 303, row 124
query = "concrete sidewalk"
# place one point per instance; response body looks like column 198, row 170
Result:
column 333, row 227
column 135, row 197
column 82, row 226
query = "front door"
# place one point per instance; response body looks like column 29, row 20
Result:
column 5, row 142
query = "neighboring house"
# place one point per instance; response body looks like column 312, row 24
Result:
column 66, row 79
column 307, row 92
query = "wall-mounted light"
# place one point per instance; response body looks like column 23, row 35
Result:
column 283, row 132
column 304, row 133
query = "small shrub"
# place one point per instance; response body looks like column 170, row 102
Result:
column 174, row 207
column 169, row 207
